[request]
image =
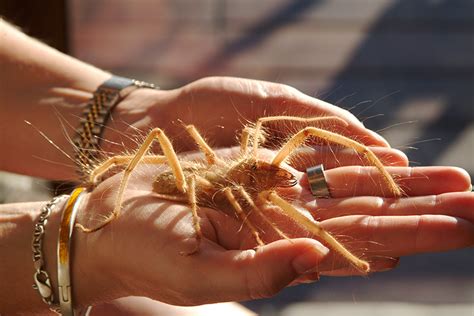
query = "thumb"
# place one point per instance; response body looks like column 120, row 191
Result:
column 253, row 274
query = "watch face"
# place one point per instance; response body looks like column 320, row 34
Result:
column 117, row 83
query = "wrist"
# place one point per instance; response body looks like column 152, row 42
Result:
column 91, row 278
column 133, row 116
column 89, row 136
column 81, row 267
column 17, row 222
column 95, row 274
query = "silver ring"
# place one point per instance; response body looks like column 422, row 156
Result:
column 317, row 182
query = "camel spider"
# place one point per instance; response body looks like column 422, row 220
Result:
column 244, row 184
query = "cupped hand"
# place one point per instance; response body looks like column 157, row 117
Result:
column 219, row 107
column 145, row 251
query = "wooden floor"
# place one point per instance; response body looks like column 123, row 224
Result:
column 404, row 67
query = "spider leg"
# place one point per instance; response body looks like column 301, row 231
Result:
column 300, row 137
column 203, row 146
column 172, row 160
column 258, row 211
column 307, row 120
column 235, row 204
column 193, row 203
column 315, row 228
column 121, row 160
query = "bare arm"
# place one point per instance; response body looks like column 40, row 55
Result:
column 16, row 269
column 43, row 86
column 39, row 84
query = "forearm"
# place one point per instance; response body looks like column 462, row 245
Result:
column 43, row 86
column 17, row 223
column 16, row 268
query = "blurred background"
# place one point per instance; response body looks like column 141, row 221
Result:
column 405, row 68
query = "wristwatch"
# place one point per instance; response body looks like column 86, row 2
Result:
column 97, row 113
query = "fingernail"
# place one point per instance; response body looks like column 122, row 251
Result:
column 309, row 259
column 379, row 138
column 385, row 264
column 311, row 277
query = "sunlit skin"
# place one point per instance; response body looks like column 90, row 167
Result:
column 246, row 179
column 368, row 224
column 140, row 252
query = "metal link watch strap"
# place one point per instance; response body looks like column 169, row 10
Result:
column 96, row 115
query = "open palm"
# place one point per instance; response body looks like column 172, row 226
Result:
column 146, row 250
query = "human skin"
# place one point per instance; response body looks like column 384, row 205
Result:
column 49, row 90
column 43, row 87
column 141, row 252
column 43, row 93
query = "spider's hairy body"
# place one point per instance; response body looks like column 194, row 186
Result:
column 244, row 184
column 253, row 175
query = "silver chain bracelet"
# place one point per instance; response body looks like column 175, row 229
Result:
column 41, row 277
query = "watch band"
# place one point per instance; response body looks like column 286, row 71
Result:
column 96, row 115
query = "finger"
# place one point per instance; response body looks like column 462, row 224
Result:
column 306, row 278
column 250, row 274
column 358, row 181
column 395, row 236
column 329, row 158
column 456, row 204
column 354, row 130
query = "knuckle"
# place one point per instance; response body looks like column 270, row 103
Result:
column 286, row 90
column 271, row 90
column 260, row 286
column 261, row 283
column 420, row 221
column 371, row 224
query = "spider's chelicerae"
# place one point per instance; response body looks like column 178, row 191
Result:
column 244, row 184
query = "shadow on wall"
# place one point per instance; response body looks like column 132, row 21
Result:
column 420, row 54
column 416, row 65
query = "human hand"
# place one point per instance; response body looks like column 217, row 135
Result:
column 436, row 213
column 140, row 253
column 219, row 107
